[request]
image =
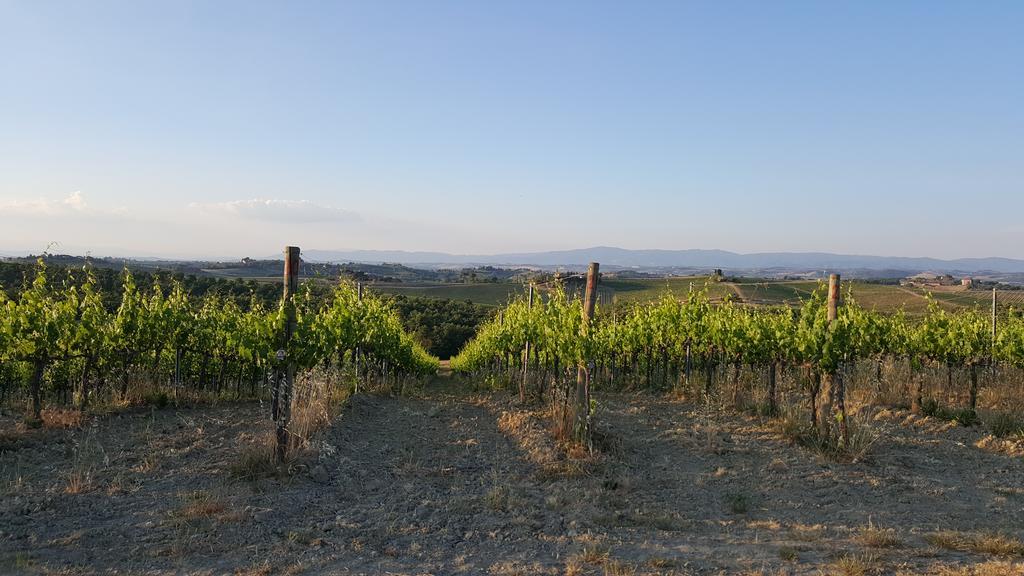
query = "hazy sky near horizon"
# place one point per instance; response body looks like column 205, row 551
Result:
column 233, row 128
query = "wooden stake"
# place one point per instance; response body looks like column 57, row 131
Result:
column 833, row 396
column 993, row 316
column 581, row 428
column 357, row 353
column 282, row 397
column 526, row 353
column 833, row 297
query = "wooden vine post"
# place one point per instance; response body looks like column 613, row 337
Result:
column 581, row 426
column 526, row 353
column 833, row 396
column 357, row 353
column 282, row 393
column 993, row 317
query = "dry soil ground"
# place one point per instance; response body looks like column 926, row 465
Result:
column 453, row 482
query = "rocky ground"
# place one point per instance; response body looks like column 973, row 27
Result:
column 454, row 482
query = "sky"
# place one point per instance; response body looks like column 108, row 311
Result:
column 230, row 129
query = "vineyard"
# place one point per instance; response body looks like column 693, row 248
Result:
column 688, row 435
column 62, row 345
column 937, row 363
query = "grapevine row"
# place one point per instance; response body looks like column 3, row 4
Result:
column 64, row 340
column 672, row 340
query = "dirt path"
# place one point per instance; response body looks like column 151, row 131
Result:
column 453, row 482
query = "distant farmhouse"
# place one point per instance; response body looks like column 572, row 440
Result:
column 931, row 279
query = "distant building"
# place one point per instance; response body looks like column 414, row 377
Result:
column 967, row 282
column 931, row 279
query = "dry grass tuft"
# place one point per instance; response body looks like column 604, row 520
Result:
column 662, row 521
column 978, row 543
column 1005, row 424
column 807, row 533
column 62, row 418
column 990, row 568
column 739, row 502
column 87, row 457
column 256, row 460
column 80, row 481
column 873, row 536
column 789, row 554
column 795, row 426
column 316, row 403
column 852, row 565
column 660, row 563
column 594, row 554
column 200, row 504
column 498, row 498
column 617, row 568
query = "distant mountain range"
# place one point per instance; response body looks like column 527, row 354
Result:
column 659, row 259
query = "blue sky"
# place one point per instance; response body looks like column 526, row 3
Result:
column 234, row 128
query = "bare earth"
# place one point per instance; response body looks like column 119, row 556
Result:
column 450, row 482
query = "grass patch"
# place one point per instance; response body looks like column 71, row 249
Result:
column 795, row 426
column 617, row 568
column 962, row 416
column 990, row 568
column 498, row 498
column 852, row 565
column 738, row 502
column 979, row 543
column 789, row 554
column 316, row 402
column 200, row 504
column 255, row 461
column 807, row 533
column 87, row 457
column 62, row 418
column 1004, row 424
column 660, row 563
column 594, row 555
column 873, row 536
column 659, row 521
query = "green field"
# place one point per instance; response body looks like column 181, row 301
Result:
column 886, row 298
column 647, row 289
column 771, row 293
column 881, row 297
column 497, row 294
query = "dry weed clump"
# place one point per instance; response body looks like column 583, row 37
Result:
column 1005, row 425
column 200, row 504
column 87, row 458
column 873, row 536
column 977, row 542
column 663, row 521
column 990, row 568
column 316, row 402
column 255, row 460
column 807, row 533
column 795, row 425
column 853, row 565
column 62, row 418
column 522, row 427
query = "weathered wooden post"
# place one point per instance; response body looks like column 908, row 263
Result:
column 993, row 316
column 581, row 427
column 526, row 353
column 833, row 297
column 282, row 395
column 835, row 388
column 357, row 353
column 992, row 347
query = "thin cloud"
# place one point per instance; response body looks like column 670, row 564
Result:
column 73, row 204
column 273, row 210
